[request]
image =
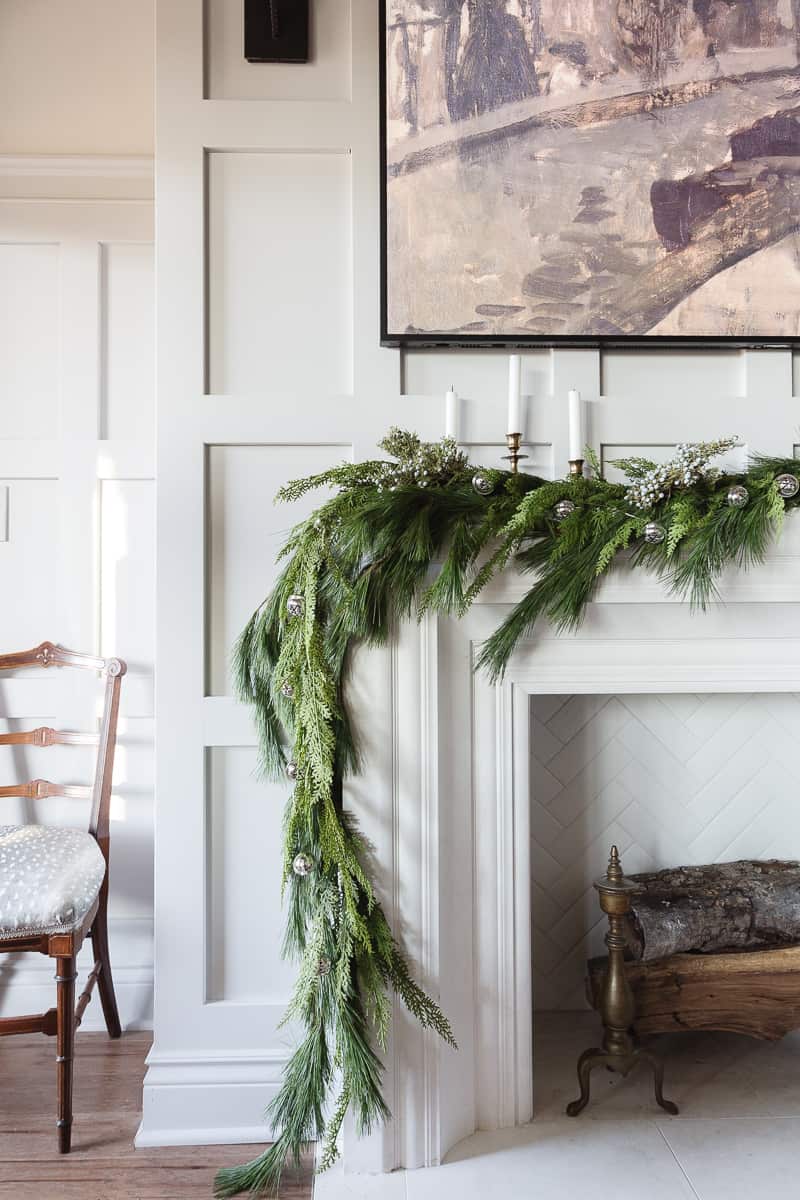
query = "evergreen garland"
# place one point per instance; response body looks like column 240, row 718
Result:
column 359, row 564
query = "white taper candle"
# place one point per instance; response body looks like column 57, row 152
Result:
column 514, row 424
column 451, row 413
column 577, row 440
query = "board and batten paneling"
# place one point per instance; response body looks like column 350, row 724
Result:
column 128, row 383
column 245, row 855
column 280, row 264
column 29, row 348
column 268, row 367
column 77, row 552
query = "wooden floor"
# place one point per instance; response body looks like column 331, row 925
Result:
column 103, row 1164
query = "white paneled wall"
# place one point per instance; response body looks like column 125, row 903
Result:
column 77, row 519
column 671, row 779
column 268, row 368
column 245, row 527
column 29, row 349
column 128, row 348
column 280, row 273
column 245, row 849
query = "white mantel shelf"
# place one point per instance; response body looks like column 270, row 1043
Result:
column 777, row 579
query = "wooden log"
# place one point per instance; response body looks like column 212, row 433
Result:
column 757, row 994
column 740, row 905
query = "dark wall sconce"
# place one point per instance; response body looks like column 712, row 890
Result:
column 276, row 31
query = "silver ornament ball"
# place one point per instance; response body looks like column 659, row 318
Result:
column 564, row 509
column 482, row 485
column 302, row 865
column 295, row 606
column 737, row 496
column 323, row 965
column 287, row 690
column 654, row 533
column 291, row 770
column 788, row 485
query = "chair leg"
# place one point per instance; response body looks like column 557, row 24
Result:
column 65, row 1042
column 105, row 982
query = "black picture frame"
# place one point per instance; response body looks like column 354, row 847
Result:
column 434, row 340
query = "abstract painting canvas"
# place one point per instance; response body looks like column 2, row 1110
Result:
column 563, row 170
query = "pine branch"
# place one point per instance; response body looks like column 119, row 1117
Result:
column 361, row 563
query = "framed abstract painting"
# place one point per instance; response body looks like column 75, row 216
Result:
column 573, row 171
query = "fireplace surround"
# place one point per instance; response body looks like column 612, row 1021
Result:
column 445, row 801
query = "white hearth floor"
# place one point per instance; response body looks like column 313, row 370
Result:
column 737, row 1135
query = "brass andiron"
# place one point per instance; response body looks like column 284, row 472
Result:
column 619, row 1052
column 513, row 441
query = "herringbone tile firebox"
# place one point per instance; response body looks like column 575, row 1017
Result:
column 671, row 779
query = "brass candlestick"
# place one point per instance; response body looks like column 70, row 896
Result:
column 513, row 457
column 576, row 466
column 617, row 1008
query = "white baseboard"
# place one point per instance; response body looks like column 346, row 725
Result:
column 202, row 1099
column 27, row 983
column 201, row 1136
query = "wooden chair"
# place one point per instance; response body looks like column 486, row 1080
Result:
column 54, row 881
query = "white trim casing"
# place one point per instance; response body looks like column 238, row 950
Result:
column 76, row 177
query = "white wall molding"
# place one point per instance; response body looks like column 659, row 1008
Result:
column 76, row 177
column 95, row 166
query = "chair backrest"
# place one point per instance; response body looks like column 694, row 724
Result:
column 112, row 669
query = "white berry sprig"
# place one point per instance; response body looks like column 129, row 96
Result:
column 652, row 483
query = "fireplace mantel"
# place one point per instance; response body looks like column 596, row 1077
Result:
column 445, row 801
column 776, row 579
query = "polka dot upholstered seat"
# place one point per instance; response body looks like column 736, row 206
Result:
column 49, row 878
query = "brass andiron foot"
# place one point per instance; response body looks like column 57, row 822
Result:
column 619, row 1051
